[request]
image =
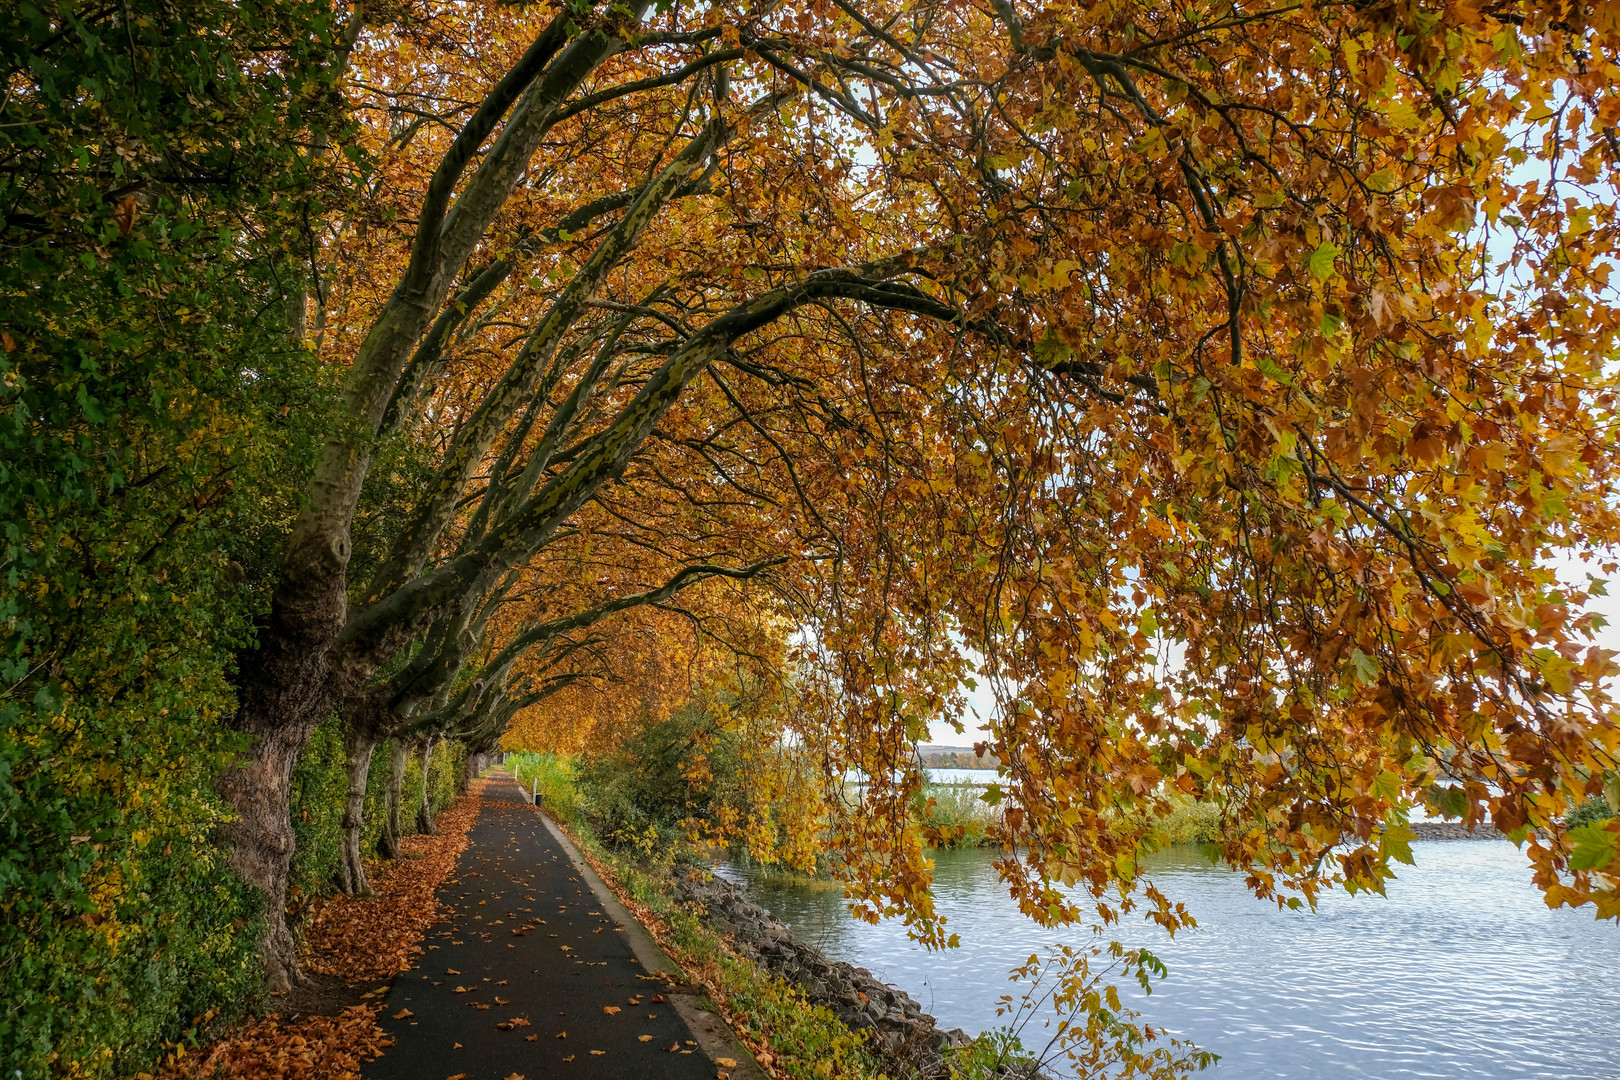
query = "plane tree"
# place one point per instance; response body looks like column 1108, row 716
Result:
column 1223, row 383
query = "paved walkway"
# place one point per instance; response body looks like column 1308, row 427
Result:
column 532, row 975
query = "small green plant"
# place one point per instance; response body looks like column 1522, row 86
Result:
column 1590, row 812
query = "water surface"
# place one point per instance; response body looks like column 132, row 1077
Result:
column 1460, row 973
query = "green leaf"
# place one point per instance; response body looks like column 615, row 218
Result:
column 1386, row 785
column 1397, row 842
column 1321, row 263
column 1595, row 847
column 1447, row 801
column 1271, row 371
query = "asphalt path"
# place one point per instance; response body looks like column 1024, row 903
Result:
column 529, row 975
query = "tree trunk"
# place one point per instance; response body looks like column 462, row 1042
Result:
column 358, row 744
column 388, row 842
column 424, row 815
column 259, row 789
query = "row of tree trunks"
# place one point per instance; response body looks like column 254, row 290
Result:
column 424, row 814
column 358, row 745
column 388, row 842
column 359, row 748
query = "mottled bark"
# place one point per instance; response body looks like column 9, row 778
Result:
column 358, row 745
column 259, row 788
column 424, row 813
column 388, row 843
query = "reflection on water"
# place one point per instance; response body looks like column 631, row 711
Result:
column 1462, row 972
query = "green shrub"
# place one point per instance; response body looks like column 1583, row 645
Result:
column 558, row 783
column 1590, row 812
column 955, row 813
column 121, row 928
column 319, row 788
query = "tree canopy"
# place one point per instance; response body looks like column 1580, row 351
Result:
column 1227, row 386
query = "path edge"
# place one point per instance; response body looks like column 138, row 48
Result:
column 710, row 1030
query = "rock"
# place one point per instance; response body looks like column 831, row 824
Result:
column 901, row 1032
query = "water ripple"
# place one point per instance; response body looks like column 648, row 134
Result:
column 1460, row 973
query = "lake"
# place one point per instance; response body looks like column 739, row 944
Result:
column 1461, row 972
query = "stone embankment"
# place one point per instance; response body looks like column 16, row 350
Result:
column 901, row 1033
column 1453, row 830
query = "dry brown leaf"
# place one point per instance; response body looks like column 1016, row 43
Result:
column 402, row 1014
column 610, row 1009
column 726, row 1063
column 644, row 1038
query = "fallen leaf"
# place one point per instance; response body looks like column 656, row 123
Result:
column 660, row 998
column 501, row 1001
column 455, row 1046
column 515, row 1076
column 403, row 1013
column 674, row 1046
column 461, row 989
column 530, row 1038
column 610, row 1009
column 644, row 1038
column 599, row 1053
column 451, row 971
column 726, row 1063
column 123, row 216
column 562, row 1034
column 457, row 1076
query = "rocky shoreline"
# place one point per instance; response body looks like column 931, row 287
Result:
column 1452, row 830
column 901, row 1033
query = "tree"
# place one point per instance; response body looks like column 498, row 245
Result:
column 1216, row 373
